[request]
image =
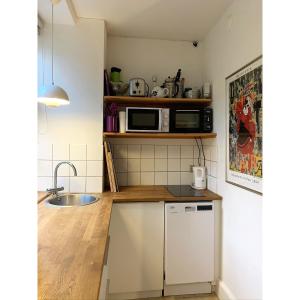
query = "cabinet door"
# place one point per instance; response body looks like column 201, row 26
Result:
column 136, row 247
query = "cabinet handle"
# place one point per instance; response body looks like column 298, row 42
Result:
column 106, row 251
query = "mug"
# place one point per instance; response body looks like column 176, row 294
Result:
column 159, row 92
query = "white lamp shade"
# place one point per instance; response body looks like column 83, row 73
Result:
column 53, row 96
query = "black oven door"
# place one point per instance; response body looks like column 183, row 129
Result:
column 185, row 121
column 143, row 120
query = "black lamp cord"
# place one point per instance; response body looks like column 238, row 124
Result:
column 200, row 151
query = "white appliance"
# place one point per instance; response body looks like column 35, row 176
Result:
column 199, row 178
column 137, row 87
column 147, row 119
column 189, row 244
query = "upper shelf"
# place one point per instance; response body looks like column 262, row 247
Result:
column 149, row 101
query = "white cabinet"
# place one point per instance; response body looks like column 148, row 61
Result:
column 104, row 287
column 136, row 249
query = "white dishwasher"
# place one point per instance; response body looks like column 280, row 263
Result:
column 189, row 242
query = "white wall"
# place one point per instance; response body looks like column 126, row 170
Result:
column 233, row 42
column 147, row 57
column 78, row 68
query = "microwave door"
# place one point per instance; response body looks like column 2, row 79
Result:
column 185, row 121
column 143, row 120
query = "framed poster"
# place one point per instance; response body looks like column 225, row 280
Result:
column 244, row 109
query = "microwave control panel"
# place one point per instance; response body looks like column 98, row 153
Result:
column 165, row 120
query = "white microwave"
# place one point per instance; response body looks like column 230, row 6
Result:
column 147, row 119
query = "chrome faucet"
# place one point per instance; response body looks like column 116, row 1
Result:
column 56, row 189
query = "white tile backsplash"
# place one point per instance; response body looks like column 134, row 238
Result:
column 213, row 153
column 161, row 151
column 61, row 152
column 78, row 152
column 63, row 170
column 122, row 179
column 65, row 182
column 77, row 184
column 134, row 165
column 161, row 178
column 173, row 178
column 147, row 151
column 147, row 178
column 213, row 169
column 94, row 184
column 87, row 158
column 185, row 164
column 207, row 152
column 161, row 164
column 134, row 178
column 94, row 168
column 212, row 183
column 173, row 164
column 44, row 183
column 80, row 166
column 94, row 152
column 173, row 151
column 120, row 164
column 186, row 151
column 44, row 167
column 186, row 178
column 45, row 151
column 147, row 164
column 134, row 151
column 120, row 151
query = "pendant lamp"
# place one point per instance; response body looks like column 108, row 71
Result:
column 53, row 95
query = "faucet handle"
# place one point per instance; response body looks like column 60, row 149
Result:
column 54, row 190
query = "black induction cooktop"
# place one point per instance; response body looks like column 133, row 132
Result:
column 184, row 191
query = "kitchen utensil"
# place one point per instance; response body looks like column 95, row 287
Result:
column 206, row 90
column 188, row 93
column 171, row 86
column 119, row 88
column 158, row 91
column 195, row 92
column 199, row 177
column 180, row 88
column 115, row 74
column 111, row 123
column 122, row 121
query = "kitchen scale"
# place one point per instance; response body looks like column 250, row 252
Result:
column 184, row 191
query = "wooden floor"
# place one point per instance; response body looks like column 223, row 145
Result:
column 190, row 297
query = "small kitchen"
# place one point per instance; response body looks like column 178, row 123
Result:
column 133, row 168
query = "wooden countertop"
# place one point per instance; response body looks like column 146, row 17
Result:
column 72, row 241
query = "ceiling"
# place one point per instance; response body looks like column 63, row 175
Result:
column 185, row 20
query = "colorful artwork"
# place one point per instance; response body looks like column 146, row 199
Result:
column 244, row 130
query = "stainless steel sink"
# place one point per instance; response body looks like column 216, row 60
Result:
column 72, row 200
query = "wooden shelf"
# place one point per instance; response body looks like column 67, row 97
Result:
column 150, row 101
column 160, row 135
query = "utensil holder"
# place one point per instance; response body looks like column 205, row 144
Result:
column 111, row 123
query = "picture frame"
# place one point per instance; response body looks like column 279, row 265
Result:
column 244, row 135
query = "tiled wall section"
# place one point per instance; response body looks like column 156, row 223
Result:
column 163, row 162
column 87, row 158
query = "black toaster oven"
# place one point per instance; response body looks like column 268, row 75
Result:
column 191, row 121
